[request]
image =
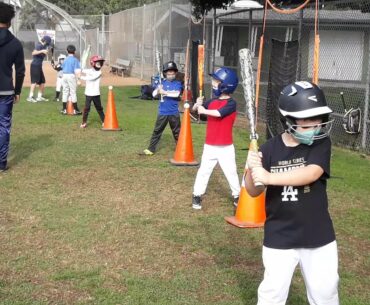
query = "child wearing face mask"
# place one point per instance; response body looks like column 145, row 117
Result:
column 168, row 109
column 294, row 167
column 92, row 90
column 218, row 147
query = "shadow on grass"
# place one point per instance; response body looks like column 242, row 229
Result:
column 22, row 148
column 239, row 255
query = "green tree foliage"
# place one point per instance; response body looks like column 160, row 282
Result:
column 97, row 7
column 201, row 6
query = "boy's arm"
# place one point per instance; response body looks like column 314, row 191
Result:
column 296, row 177
column 172, row 93
column 229, row 108
column 210, row 112
column 252, row 190
column 155, row 91
column 90, row 76
column 38, row 52
column 77, row 69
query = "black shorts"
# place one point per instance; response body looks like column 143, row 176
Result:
column 37, row 75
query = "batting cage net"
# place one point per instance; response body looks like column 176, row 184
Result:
column 282, row 72
column 288, row 54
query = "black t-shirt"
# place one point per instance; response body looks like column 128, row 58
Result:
column 297, row 216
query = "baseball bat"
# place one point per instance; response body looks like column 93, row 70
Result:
column 187, row 76
column 246, row 72
column 158, row 65
column 85, row 56
column 201, row 69
column 52, row 51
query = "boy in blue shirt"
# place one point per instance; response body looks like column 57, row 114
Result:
column 168, row 109
column 71, row 72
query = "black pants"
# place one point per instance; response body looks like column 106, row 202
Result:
column 97, row 104
column 159, row 127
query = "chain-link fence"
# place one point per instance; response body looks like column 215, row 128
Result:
column 135, row 34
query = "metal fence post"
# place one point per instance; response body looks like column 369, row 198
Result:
column 169, row 32
column 142, row 45
column 366, row 106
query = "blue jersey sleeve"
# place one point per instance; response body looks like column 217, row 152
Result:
column 206, row 103
column 229, row 108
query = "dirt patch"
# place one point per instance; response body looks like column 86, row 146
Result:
column 108, row 79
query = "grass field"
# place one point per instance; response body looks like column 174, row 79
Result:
column 85, row 220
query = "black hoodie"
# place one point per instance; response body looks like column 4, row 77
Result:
column 11, row 53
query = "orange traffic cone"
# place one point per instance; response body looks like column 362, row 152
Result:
column 250, row 212
column 110, row 121
column 184, row 154
column 70, row 109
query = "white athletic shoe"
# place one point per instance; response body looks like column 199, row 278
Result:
column 42, row 99
column 31, row 100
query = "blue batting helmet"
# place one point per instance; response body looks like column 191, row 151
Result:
column 47, row 40
column 228, row 78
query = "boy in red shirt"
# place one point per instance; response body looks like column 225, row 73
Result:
column 218, row 147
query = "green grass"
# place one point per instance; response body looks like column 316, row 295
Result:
column 85, row 220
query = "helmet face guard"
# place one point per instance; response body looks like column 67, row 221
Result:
column 317, row 131
column 304, row 100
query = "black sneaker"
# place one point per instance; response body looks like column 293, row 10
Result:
column 235, row 201
column 2, row 170
column 197, row 202
column 77, row 112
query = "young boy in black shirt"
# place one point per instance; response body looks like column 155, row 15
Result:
column 294, row 167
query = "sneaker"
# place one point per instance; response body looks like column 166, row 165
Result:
column 31, row 100
column 235, row 201
column 77, row 112
column 83, row 125
column 42, row 99
column 197, row 202
column 2, row 170
column 57, row 100
column 147, row 152
column 63, row 111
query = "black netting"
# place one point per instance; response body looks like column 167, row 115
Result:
column 282, row 72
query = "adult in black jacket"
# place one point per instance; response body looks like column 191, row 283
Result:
column 11, row 53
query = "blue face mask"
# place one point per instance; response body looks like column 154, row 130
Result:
column 306, row 137
column 216, row 91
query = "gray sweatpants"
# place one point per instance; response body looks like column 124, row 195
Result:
column 69, row 88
